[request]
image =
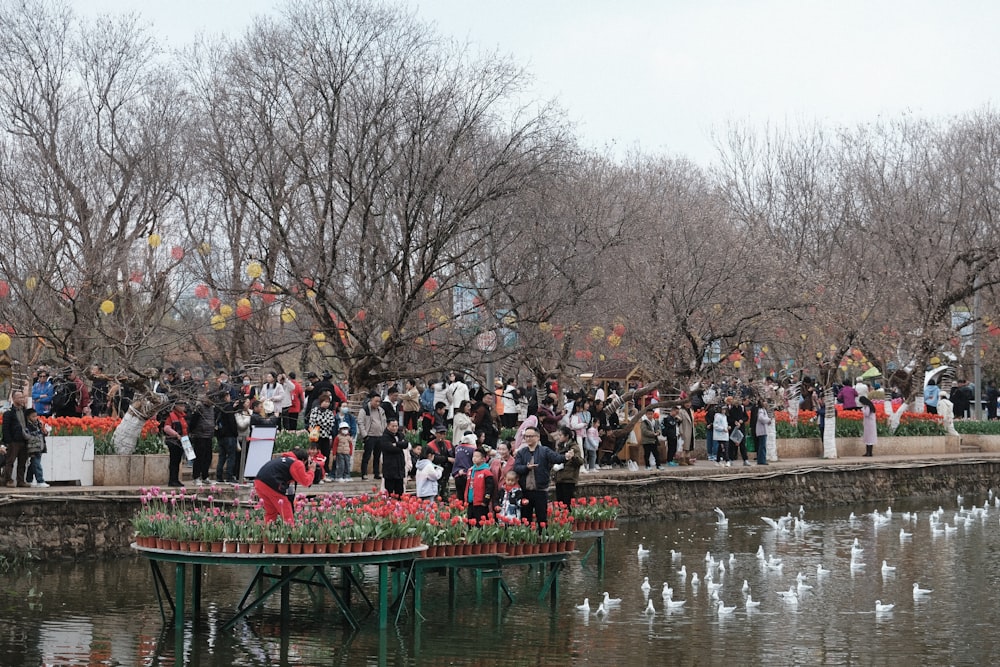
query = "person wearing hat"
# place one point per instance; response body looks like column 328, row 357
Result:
column 41, row 394
column 319, row 387
column 444, row 456
column 277, row 480
column 371, row 426
column 344, row 447
column 463, row 462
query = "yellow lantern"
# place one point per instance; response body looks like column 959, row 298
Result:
column 736, row 364
column 385, row 335
column 154, row 240
column 31, row 283
column 204, row 249
column 287, row 315
column 597, row 332
column 107, row 306
column 4, row 341
column 935, row 361
column 319, row 337
column 244, row 302
column 255, row 270
column 218, row 322
column 545, row 327
column 226, row 310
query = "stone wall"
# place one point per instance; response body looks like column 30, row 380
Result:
column 85, row 524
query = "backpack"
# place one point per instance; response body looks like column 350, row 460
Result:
column 64, row 396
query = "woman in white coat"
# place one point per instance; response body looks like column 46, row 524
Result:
column 456, row 392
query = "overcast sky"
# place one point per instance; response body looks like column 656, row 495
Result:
column 663, row 75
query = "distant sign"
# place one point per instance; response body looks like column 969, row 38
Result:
column 487, row 341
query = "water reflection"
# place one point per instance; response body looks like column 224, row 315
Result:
column 106, row 613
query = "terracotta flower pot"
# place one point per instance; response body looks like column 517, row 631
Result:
column 216, row 547
column 295, row 548
column 309, row 547
column 269, row 548
column 255, row 547
column 357, row 547
column 368, row 545
column 449, row 549
column 334, row 548
column 319, row 547
column 283, row 547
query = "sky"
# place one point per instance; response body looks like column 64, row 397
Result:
column 669, row 76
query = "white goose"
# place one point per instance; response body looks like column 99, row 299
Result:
column 820, row 570
column 683, row 572
column 601, row 611
column 694, row 580
column 667, row 591
column 903, row 535
column 746, row 586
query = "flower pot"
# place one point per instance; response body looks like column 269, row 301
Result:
column 368, row 545
column 449, row 549
column 295, row 548
column 475, row 549
column 229, row 547
column 357, row 547
column 309, row 548
column 283, row 547
column 254, row 547
column 216, row 547
column 334, row 548
column 432, row 551
column 205, row 547
column 571, row 545
column 319, row 547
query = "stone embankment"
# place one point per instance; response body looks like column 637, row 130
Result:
column 89, row 522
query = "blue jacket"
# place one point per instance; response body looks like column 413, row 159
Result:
column 544, row 457
column 41, row 397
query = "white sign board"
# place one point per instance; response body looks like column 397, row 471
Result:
column 260, row 449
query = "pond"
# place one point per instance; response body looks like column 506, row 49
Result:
column 105, row 612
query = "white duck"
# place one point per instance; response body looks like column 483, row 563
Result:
column 585, row 607
column 723, row 521
column 724, row 610
column 674, row 604
column 601, row 611
column 751, row 603
column 667, row 590
column 760, row 553
column 820, row 570
column 642, row 551
column 919, row 592
column 888, row 569
column 645, row 586
column 675, row 555
column 650, row 609
column 882, row 608
column 610, row 601
column 746, row 586
column 903, row 535
column 683, row 572
column 694, row 580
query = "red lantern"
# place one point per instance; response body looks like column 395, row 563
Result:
column 431, row 284
column 135, row 277
column 244, row 312
column 361, row 315
column 619, row 330
column 578, row 354
column 557, row 332
column 214, row 303
column 201, row 291
column 268, row 297
column 177, row 253
column 4, row 289
column 308, row 282
column 994, row 330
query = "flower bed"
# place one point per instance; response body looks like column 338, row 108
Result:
column 338, row 524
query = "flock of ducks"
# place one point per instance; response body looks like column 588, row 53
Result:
column 801, row 587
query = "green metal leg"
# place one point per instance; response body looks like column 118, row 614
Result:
column 452, row 585
column 285, row 592
column 344, row 607
column 383, row 595
column 478, row 576
column 179, row 576
column 196, row 588
column 600, row 556
column 551, row 584
column 262, row 598
column 418, row 592
column 160, row 586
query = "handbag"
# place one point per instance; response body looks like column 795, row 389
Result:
column 187, row 447
column 736, row 437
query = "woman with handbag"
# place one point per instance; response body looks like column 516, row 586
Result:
column 34, row 435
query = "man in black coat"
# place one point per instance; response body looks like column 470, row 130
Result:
column 393, row 447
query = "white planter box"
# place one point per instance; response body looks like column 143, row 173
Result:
column 69, row 459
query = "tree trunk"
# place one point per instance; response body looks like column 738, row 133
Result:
column 830, row 423
column 127, row 433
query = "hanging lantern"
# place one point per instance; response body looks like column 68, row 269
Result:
column 244, row 311
column 308, row 282
column 385, row 335
column 310, row 294
column 204, row 249
column 135, row 277
column 545, row 327
column 268, row 297
column 4, row 342
column 226, row 310
column 201, row 291
column 431, row 284
column 557, row 332
column 287, row 315
column 154, row 240
column 602, row 357
column 619, row 330
column 418, row 341
column 614, row 340
column 319, row 338
column 218, row 322
column 935, row 360
column 361, row 315
column 597, row 332
column 31, row 283
column 214, row 303
column 736, row 364
column 107, row 306
column 4, row 289
column 177, row 253
column 254, row 270
column 245, row 302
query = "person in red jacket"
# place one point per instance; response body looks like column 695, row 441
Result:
column 275, row 483
column 482, row 486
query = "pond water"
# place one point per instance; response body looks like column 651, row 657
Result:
column 105, row 613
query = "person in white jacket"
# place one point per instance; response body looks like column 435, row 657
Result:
column 456, row 392
column 428, row 475
column 272, row 391
column 760, row 432
column 720, row 433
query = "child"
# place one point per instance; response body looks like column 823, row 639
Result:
column 428, row 475
column 316, row 456
column 513, row 497
column 345, row 452
column 482, row 486
column 34, row 432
